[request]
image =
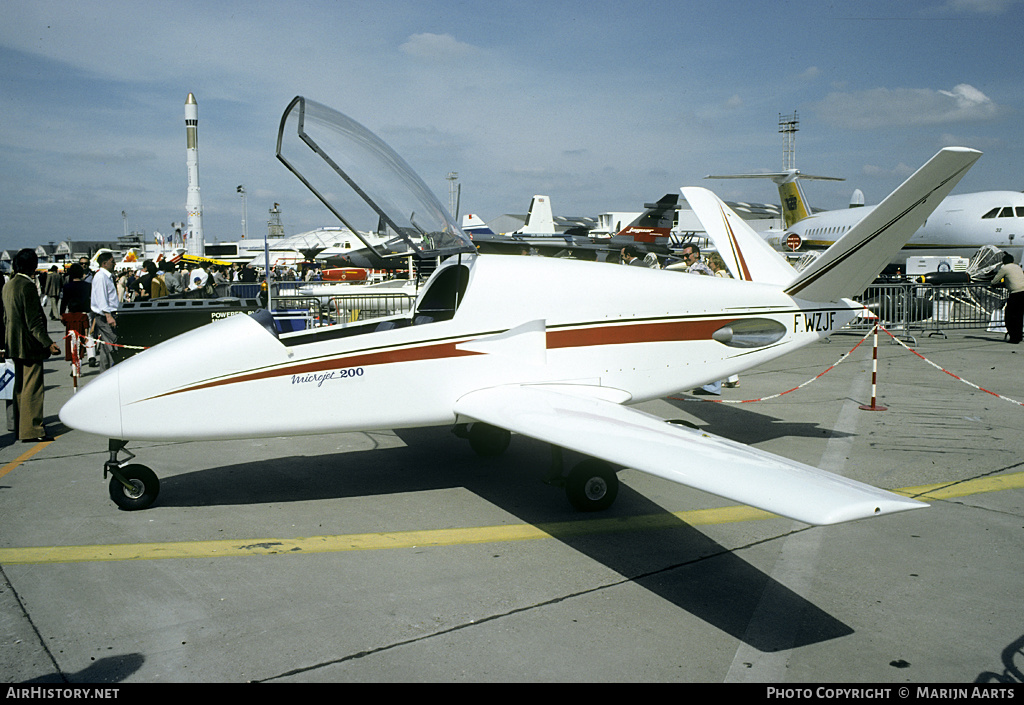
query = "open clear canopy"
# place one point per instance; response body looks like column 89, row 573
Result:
column 326, row 149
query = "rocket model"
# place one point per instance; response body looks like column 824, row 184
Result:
column 193, row 202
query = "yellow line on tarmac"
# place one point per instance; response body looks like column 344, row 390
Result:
column 952, row 490
column 450, row 537
column 23, row 457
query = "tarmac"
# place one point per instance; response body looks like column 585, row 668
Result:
column 400, row 556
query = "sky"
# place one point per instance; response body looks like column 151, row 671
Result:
column 600, row 105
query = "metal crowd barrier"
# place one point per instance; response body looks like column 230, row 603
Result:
column 932, row 308
column 303, row 312
column 294, row 311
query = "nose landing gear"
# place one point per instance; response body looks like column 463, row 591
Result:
column 132, row 486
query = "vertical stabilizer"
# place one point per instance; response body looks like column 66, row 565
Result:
column 655, row 222
column 745, row 253
column 539, row 220
column 793, row 200
column 473, row 224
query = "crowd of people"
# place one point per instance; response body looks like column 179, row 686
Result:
column 692, row 261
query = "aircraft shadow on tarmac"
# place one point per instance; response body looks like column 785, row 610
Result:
column 744, row 426
column 112, row 669
column 678, row 563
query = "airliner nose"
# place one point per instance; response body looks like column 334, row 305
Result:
column 96, row 407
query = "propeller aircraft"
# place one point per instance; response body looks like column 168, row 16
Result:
column 553, row 349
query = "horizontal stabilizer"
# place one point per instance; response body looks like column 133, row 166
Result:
column 778, row 176
column 586, row 419
column 847, row 267
column 745, row 253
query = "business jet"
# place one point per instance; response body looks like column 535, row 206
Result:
column 559, row 361
column 960, row 225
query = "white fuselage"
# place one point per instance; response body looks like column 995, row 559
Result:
column 958, row 226
column 640, row 333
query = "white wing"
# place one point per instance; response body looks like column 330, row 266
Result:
column 588, row 420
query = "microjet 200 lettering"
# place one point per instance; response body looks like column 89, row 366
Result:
column 319, row 379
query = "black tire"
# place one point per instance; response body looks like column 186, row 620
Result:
column 147, row 487
column 592, row 486
column 488, row 441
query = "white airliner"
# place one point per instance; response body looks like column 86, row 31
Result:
column 960, row 225
column 550, row 348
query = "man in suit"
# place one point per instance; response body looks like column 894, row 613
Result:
column 28, row 344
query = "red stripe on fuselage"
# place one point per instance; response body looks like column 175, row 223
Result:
column 662, row 332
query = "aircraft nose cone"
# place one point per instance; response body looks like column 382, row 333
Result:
column 96, row 407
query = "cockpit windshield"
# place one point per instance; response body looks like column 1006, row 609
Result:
column 326, row 149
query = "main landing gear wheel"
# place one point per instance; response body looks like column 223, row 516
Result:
column 592, row 485
column 145, row 486
column 488, row 441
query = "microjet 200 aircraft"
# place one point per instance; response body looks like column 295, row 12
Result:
column 559, row 361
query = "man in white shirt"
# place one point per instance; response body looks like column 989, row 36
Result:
column 1011, row 276
column 104, row 306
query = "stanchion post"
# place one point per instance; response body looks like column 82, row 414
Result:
column 75, row 361
column 874, row 376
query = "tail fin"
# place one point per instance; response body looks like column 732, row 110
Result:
column 474, row 225
column 745, row 253
column 794, row 202
column 854, row 260
column 655, row 222
column 791, row 194
column 539, row 220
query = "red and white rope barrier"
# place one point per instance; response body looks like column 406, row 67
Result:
column 874, row 376
column 954, row 376
column 788, row 391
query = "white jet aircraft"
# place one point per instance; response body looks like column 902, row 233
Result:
column 549, row 348
column 960, row 225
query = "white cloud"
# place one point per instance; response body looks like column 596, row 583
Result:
column 904, row 107
column 901, row 171
column 810, row 73
column 981, row 7
column 437, row 47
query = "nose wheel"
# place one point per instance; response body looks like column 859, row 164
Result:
column 132, row 486
column 137, row 487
